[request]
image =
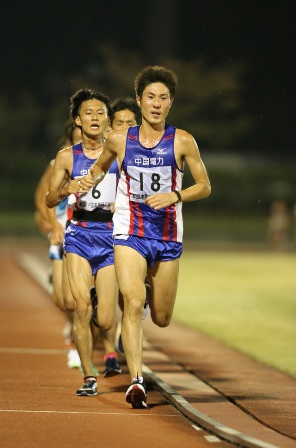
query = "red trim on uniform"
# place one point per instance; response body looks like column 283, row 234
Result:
column 174, row 179
column 132, row 137
column 132, row 216
column 140, row 220
column 132, row 220
column 173, row 211
column 168, row 137
column 175, row 225
column 166, row 236
column 69, row 213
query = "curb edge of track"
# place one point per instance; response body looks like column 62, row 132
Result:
column 204, row 421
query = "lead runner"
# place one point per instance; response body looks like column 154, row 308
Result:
column 148, row 223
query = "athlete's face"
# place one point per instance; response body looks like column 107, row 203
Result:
column 155, row 103
column 123, row 119
column 93, row 117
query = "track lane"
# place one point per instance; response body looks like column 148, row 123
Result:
column 38, row 405
column 195, row 404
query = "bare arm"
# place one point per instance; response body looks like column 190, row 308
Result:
column 48, row 214
column 113, row 148
column 41, row 216
column 57, row 230
column 42, row 188
column 186, row 150
column 61, row 186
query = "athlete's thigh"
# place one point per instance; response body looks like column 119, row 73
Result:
column 131, row 268
column 107, row 293
column 80, row 276
column 57, row 273
column 67, row 293
column 163, row 277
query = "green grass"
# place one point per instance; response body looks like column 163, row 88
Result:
column 247, row 300
column 18, row 224
column 219, row 226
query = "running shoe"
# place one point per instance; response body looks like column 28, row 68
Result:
column 67, row 332
column 94, row 304
column 136, row 393
column 89, row 388
column 146, row 309
column 73, row 359
column 56, row 252
column 120, row 344
column 112, row 366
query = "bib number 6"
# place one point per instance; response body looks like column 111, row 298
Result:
column 95, row 193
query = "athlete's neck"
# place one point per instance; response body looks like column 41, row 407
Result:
column 93, row 145
column 93, row 148
column 150, row 135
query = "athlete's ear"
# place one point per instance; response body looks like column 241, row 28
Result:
column 138, row 99
column 77, row 120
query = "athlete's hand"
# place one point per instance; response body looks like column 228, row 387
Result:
column 161, row 200
column 57, row 234
column 73, row 186
column 86, row 183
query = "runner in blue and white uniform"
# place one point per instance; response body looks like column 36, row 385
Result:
column 148, row 225
column 88, row 240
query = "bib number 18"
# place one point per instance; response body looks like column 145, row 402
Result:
column 154, row 186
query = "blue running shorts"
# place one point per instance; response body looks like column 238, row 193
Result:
column 151, row 250
column 95, row 246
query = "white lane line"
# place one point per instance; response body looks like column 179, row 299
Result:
column 212, row 439
column 136, row 413
column 32, row 265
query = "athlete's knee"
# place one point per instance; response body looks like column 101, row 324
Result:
column 69, row 304
column 133, row 307
column 106, row 324
column 82, row 309
column 161, row 319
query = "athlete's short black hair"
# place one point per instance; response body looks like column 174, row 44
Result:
column 84, row 95
column 155, row 73
column 126, row 103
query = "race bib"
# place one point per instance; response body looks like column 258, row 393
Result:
column 100, row 196
column 147, row 181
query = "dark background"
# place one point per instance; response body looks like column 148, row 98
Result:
column 50, row 49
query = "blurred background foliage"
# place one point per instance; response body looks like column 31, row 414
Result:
column 210, row 103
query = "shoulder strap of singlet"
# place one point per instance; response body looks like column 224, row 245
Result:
column 133, row 133
column 77, row 149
